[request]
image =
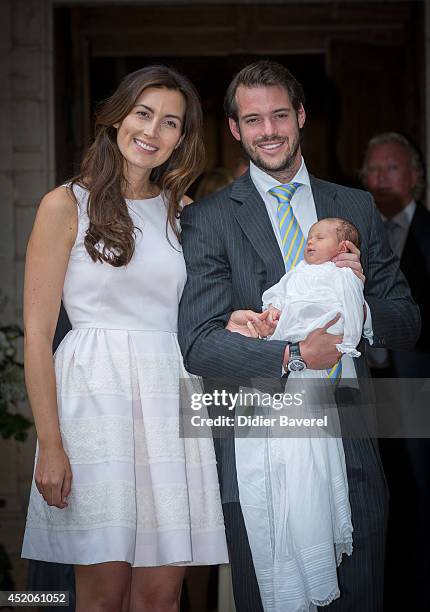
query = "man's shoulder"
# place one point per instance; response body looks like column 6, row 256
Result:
column 339, row 190
column 222, row 201
column 420, row 228
column 213, row 199
column 422, row 214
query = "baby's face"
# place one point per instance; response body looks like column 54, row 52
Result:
column 323, row 243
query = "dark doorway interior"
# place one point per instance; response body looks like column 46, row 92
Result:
column 361, row 65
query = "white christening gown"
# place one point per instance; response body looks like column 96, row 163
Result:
column 294, row 491
column 140, row 493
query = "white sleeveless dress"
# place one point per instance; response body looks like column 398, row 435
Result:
column 140, row 492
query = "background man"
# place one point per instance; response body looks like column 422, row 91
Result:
column 234, row 251
column 393, row 173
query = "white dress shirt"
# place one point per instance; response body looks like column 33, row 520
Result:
column 401, row 222
column 304, row 210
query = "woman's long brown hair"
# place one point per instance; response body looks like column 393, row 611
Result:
column 111, row 234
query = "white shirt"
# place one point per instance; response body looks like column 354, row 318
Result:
column 304, row 210
column 403, row 220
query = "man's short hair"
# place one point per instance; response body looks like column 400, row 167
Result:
column 407, row 144
column 264, row 73
column 345, row 230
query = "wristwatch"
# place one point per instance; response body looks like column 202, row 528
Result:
column 296, row 363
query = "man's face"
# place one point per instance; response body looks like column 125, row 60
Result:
column 268, row 127
column 390, row 177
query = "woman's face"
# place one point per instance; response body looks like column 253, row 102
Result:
column 148, row 135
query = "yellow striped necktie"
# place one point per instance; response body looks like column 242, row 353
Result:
column 293, row 242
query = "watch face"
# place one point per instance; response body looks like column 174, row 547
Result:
column 296, row 365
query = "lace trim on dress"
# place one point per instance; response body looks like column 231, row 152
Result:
column 172, row 506
column 111, row 374
column 206, row 511
column 156, row 439
column 114, row 504
column 94, row 505
column 98, row 439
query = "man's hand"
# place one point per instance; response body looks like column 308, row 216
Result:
column 351, row 259
column 319, row 348
column 252, row 324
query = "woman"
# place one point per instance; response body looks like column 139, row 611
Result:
column 116, row 491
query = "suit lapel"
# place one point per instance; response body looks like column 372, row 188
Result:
column 324, row 198
column 255, row 223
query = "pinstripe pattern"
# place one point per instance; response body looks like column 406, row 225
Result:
column 245, row 586
column 232, row 257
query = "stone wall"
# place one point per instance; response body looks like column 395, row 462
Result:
column 26, row 172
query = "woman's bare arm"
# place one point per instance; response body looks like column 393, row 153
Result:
column 48, row 252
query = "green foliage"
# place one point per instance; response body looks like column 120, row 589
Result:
column 12, row 424
column 12, row 386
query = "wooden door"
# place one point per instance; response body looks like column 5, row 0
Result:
column 361, row 65
column 367, row 97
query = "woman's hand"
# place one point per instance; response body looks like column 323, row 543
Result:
column 53, row 476
column 252, row 324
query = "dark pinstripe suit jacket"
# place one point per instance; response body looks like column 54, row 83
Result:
column 232, row 257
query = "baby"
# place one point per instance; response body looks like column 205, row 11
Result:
column 308, row 498
column 311, row 294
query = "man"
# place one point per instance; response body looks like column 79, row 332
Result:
column 393, row 173
column 234, row 251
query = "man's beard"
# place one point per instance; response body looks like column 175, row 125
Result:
column 286, row 163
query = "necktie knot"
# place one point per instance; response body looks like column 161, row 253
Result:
column 284, row 193
column 390, row 224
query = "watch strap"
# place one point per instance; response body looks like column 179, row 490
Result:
column 294, row 350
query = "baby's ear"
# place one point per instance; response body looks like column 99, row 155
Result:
column 342, row 247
